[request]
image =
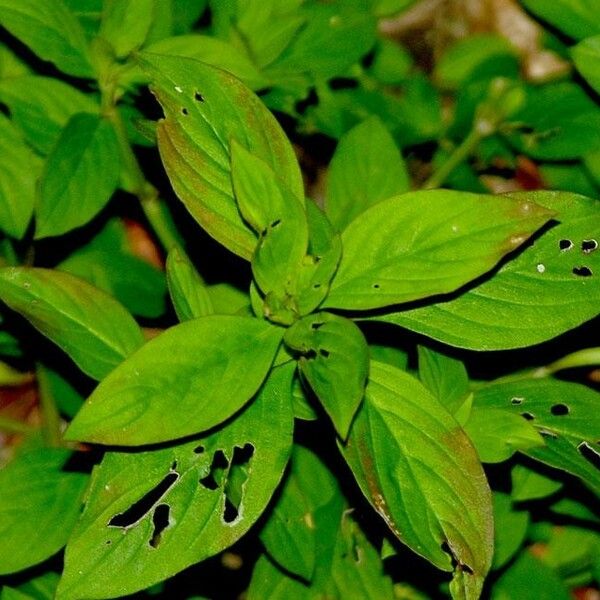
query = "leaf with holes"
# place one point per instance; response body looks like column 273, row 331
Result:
column 366, row 168
column 420, row 472
column 334, row 360
column 205, row 369
column 151, row 514
column 551, row 287
column 39, row 505
column 565, row 413
column 87, row 323
column 80, row 176
column 204, row 109
column 189, row 293
column 425, row 243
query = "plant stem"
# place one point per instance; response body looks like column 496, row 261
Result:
column 50, row 415
column 14, row 426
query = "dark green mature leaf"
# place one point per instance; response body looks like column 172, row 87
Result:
column 587, row 60
column 577, row 18
column 540, row 294
column 289, row 534
column 19, row 168
column 204, row 109
column 510, row 529
column 125, row 24
column 416, row 466
column 189, row 293
column 424, row 243
column 365, row 169
column 41, row 107
column 188, row 379
column 39, row 505
column 334, row 359
column 51, row 31
column 88, row 324
column 211, row 490
column 80, row 176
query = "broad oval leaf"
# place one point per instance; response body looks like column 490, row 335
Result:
column 334, row 359
column 551, row 287
column 418, row 469
column 80, row 176
column 425, row 243
column 204, row 109
column 39, row 505
column 87, row 323
column 367, row 167
column 51, row 31
column 209, row 492
column 188, row 379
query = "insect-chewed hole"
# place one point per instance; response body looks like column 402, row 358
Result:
column 527, row 416
column 559, row 410
column 214, row 479
column 516, row 400
column 324, row 353
column 137, row 511
column 582, row 271
column 198, row 97
column 376, row 286
column 160, row 520
column 316, row 286
column 565, row 245
column 590, row 454
column 311, row 354
column 185, row 111
column 237, row 477
column 275, row 223
column 198, row 449
column 316, row 325
column 588, row 246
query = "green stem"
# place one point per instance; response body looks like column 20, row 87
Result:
column 51, row 427
column 14, row 426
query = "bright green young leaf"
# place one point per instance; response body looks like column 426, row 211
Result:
column 19, row 168
column 445, row 377
column 42, row 587
column 11, row 65
column 268, row 581
column 41, row 107
column 587, row 60
column 88, row 324
column 189, row 293
column 365, row 169
column 125, row 24
column 334, row 359
column 66, row 398
column 215, row 52
column 527, row 484
column 229, row 300
column 577, row 18
column 498, row 434
column 510, row 529
column 51, row 31
column 289, row 533
column 392, row 62
column 188, row 379
column 419, row 470
column 88, row 13
column 80, row 176
column 204, row 109
column 39, row 505
column 198, row 498
column 425, row 243
column 551, row 287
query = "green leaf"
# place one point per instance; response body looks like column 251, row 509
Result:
column 41, row 107
column 386, row 8
column 80, row 176
column 289, row 534
column 229, row 300
column 535, row 297
column 67, row 399
column 51, row 31
column 88, row 13
column 587, row 60
column 19, row 168
column 510, row 529
column 215, row 52
column 577, row 18
column 418, row 469
column 125, row 24
column 334, row 359
column 497, row 434
column 212, row 491
column 189, row 293
column 527, row 484
column 39, row 505
column 365, row 169
column 188, row 379
column 88, row 324
column 200, row 120
column 425, row 243
column 392, row 62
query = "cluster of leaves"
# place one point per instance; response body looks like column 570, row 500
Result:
column 314, row 387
